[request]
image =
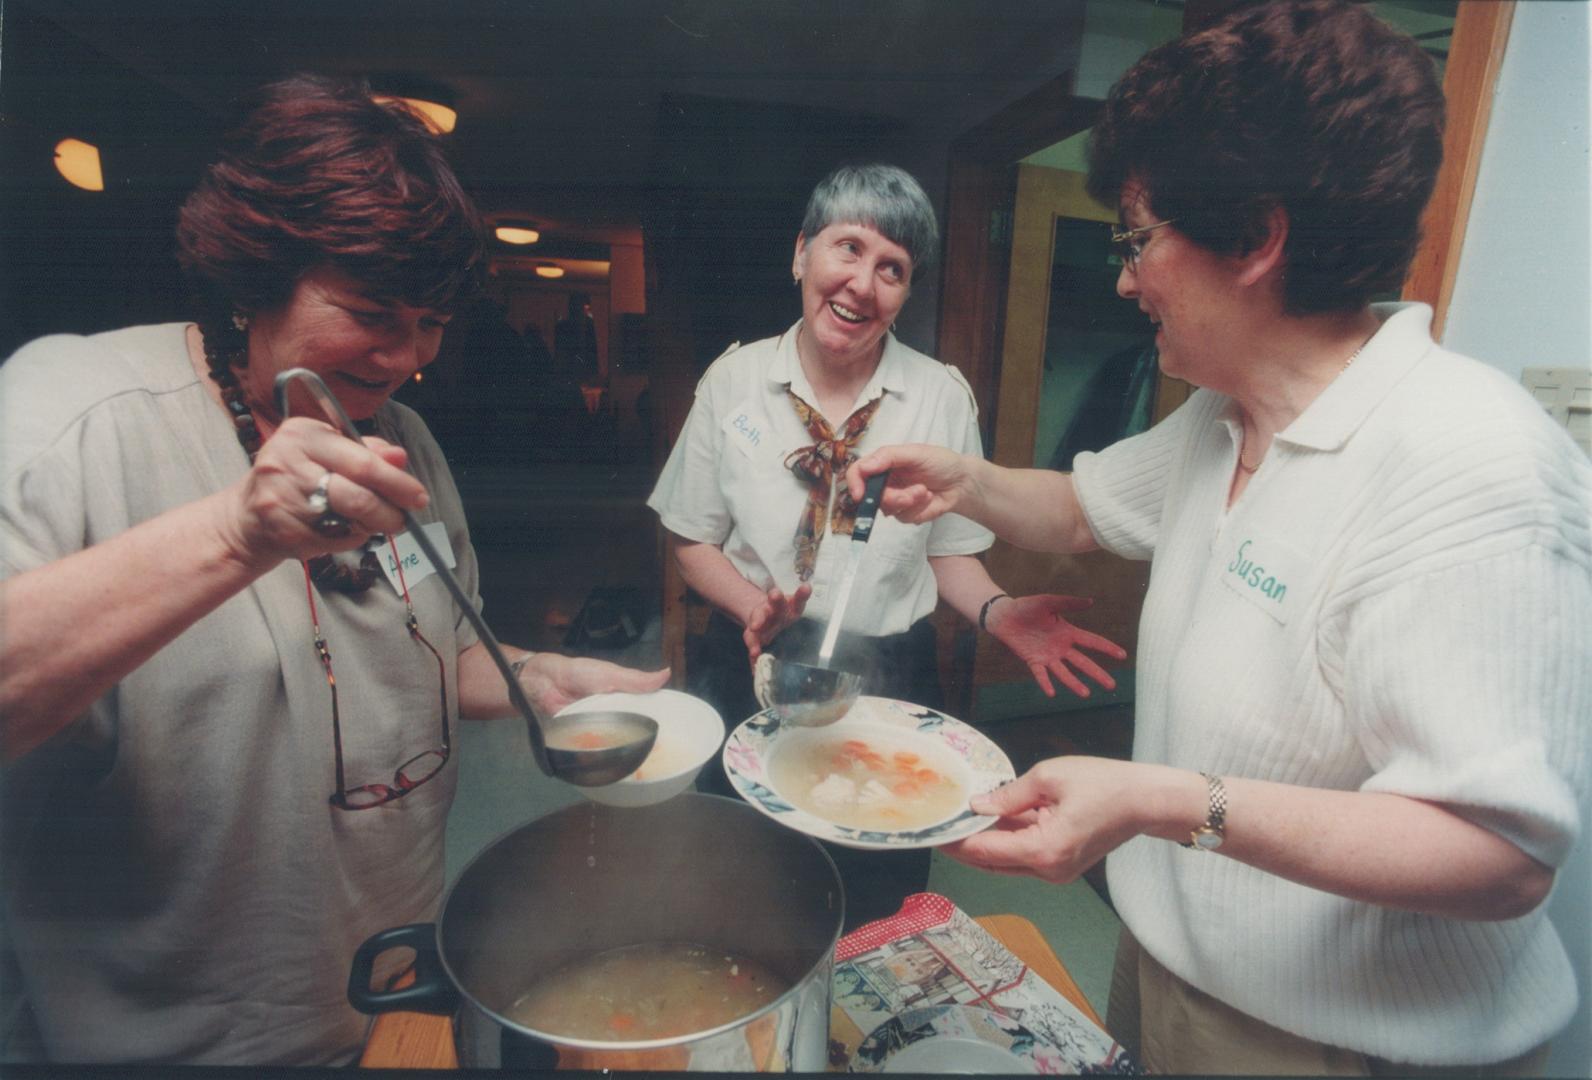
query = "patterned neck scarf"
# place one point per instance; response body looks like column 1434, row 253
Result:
column 817, row 466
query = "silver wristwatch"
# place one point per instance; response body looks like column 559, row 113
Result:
column 1209, row 836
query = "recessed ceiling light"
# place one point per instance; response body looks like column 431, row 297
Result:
column 549, row 270
column 437, row 116
column 79, row 163
column 517, row 234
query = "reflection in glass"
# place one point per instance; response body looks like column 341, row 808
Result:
column 1100, row 362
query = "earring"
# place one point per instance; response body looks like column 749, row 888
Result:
column 240, row 322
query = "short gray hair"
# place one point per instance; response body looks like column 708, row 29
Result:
column 881, row 197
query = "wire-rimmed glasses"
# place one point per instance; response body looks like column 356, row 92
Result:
column 1127, row 245
column 418, row 769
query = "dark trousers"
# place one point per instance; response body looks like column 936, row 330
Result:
column 903, row 666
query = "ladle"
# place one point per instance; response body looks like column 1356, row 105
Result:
column 808, row 695
column 585, row 749
column 804, row 695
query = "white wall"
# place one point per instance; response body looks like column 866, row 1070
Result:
column 1523, row 298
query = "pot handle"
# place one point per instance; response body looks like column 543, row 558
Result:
column 431, row 992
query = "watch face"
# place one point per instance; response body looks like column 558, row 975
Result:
column 1207, row 838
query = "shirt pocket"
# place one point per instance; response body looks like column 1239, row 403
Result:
column 899, row 553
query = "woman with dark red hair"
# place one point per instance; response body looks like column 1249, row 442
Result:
column 226, row 713
column 1360, row 746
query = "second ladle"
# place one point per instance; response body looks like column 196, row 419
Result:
column 808, row 695
column 801, row 694
column 584, row 749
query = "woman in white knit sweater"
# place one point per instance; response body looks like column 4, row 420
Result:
column 1360, row 742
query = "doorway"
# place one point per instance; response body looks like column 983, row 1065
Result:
column 1078, row 372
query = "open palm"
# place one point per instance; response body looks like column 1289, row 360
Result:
column 1034, row 629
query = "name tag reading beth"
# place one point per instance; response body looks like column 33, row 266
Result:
column 744, row 430
column 415, row 565
column 1265, row 571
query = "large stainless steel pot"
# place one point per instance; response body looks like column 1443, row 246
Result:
column 698, row 868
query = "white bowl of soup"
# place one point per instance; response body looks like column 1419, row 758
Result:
column 690, row 732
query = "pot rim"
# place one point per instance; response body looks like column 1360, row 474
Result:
column 826, row 960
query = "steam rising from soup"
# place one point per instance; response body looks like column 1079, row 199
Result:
column 641, row 992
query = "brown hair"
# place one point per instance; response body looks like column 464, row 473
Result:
column 320, row 174
column 1316, row 106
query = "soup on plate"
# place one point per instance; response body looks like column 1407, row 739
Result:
column 870, row 779
column 641, row 992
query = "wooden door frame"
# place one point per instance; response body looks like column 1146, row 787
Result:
column 980, row 192
column 1475, row 55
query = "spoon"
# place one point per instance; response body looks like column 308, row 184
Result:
column 584, row 749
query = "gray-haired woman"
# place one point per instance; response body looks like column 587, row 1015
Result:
column 756, row 480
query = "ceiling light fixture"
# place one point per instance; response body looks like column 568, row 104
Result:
column 517, row 232
column 436, row 116
column 79, row 163
column 431, row 101
column 549, row 270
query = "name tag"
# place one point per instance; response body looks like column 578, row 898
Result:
column 1264, row 571
column 746, row 430
column 415, row 565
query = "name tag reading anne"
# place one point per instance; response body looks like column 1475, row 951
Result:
column 415, row 564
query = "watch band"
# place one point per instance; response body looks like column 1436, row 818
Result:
column 1209, row 836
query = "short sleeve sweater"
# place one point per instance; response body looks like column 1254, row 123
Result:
column 1400, row 601
column 177, row 886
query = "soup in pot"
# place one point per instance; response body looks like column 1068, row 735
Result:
column 641, row 992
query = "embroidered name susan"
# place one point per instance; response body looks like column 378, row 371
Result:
column 1253, row 575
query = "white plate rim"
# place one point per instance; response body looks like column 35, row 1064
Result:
column 988, row 768
column 1025, row 1045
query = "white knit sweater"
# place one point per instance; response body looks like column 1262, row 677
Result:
column 1400, row 601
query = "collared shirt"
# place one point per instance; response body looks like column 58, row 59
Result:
column 1397, row 602
column 726, row 482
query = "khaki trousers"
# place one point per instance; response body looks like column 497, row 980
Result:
column 1171, row 1027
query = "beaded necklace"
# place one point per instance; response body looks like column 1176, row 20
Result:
column 329, row 574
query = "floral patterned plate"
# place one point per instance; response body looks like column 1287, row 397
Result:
column 980, row 766
column 956, row 1039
